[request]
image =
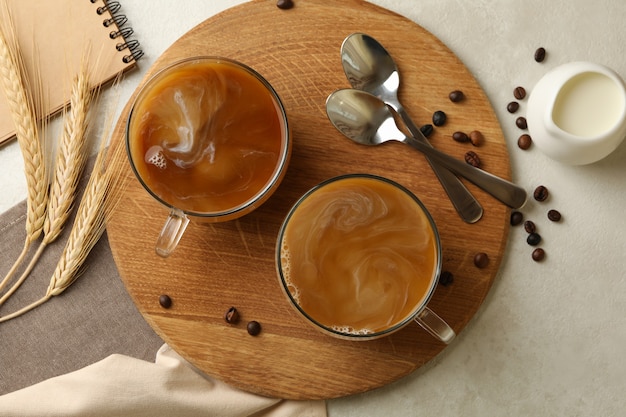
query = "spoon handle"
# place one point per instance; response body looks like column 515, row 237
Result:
column 510, row 194
column 463, row 201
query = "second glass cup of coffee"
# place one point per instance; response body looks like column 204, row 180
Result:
column 359, row 257
column 208, row 138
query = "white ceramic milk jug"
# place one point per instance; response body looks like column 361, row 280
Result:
column 577, row 113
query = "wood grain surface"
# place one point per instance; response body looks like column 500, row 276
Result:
column 232, row 264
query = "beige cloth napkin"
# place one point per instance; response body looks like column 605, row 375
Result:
column 123, row 386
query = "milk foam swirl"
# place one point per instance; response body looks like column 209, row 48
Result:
column 354, row 209
column 187, row 117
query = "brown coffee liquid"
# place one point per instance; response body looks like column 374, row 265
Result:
column 359, row 255
column 207, row 137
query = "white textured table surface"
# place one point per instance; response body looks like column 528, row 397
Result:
column 550, row 338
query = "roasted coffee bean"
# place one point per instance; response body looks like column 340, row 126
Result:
column 538, row 255
column 529, row 226
column 540, row 54
column 541, row 193
column 554, row 215
column 427, row 130
column 476, row 138
column 439, row 118
column 521, row 122
column 481, row 260
column 456, row 96
column 516, row 218
column 284, row 4
column 472, row 158
column 512, row 107
column 533, row 239
column 524, row 141
column 460, row 137
column 231, row 316
column 446, row 278
column 519, row 93
column 254, row 328
column 165, row 301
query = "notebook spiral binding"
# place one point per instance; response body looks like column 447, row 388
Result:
column 122, row 32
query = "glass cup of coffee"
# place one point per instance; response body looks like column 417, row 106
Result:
column 359, row 257
column 208, row 138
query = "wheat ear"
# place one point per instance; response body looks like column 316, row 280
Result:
column 101, row 195
column 71, row 157
column 95, row 209
column 69, row 163
column 24, row 117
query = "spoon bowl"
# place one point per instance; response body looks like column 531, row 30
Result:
column 369, row 67
column 367, row 120
column 362, row 117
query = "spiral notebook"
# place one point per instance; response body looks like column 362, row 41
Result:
column 55, row 34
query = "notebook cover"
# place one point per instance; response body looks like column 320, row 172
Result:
column 54, row 34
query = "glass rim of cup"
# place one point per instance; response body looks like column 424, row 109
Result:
column 395, row 327
column 281, row 166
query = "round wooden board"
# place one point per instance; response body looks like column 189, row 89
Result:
column 232, row 264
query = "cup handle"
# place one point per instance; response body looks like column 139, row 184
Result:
column 435, row 325
column 171, row 233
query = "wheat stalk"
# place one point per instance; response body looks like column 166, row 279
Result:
column 22, row 111
column 101, row 195
column 69, row 163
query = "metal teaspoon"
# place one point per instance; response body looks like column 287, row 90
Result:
column 369, row 67
column 367, row 120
